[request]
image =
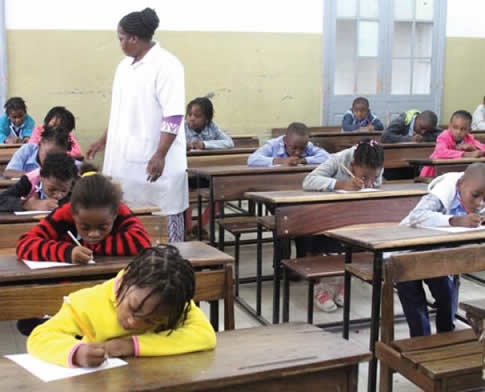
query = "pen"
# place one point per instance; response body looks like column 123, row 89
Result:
column 347, row 170
column 84, row 329
column 78, row 244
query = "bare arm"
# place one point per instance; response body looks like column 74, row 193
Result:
column 97, row 146
column 157, row 162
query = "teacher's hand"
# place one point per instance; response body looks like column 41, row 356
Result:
column 155, row 167
column 95, row 148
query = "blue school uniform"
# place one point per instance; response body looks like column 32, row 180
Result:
column 7, row 128
column 25, row 159
column 350, row 123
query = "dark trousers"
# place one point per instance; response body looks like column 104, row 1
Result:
column 413, row 300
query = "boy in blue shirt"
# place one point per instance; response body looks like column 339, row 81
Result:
column 360, row 118
column 291, row 149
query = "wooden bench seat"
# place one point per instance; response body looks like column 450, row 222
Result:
column 314, row 268
column 449, row 361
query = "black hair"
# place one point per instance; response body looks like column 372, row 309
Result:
column 15, row 103
column 369, row 154
column 205, row 105
column 59, row 136
column 168, row 274
column 87, row 167
column 429, row 118
column 65, row 116
column 474, row 171
column 95, row 191
column 297, row 128
column 361, row 100
column 60, row 166
column 140, row 23
column 462, row 114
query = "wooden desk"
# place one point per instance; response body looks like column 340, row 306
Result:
column 385, row 238
column 285, row 357
column 445, row 165
column 333, row 141
column 475, row 315
column 11, row 146
column 221, row 151
column 299, row 213
column 248, row 141
column 275, row 132
column 16, row 274
column 6, row 182
column 220, row 160
column 479, row 135
column 229, row 183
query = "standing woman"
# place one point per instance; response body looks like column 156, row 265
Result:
column 145, row 142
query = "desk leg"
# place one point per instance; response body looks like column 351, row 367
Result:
column 375, row 316
column 281, row 245
column 214, row 314
column 221, row 228
column 199, row 211
column 259, row 261
column 348, row 287
column 212, row 223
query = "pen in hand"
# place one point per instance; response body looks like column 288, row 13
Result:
column 79, row 244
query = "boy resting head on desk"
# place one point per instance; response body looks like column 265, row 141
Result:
column 454, row 199
column 42, row 189
column 147, row 310
column 292, row 149
column 412, row 126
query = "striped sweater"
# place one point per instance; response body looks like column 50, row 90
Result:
column 49, row 239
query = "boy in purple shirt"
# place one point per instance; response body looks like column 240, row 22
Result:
column 289, row 150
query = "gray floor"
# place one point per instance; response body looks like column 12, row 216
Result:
column 12, row 342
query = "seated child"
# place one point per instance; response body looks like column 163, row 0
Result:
column 478, row 122
column 31, row 156
column 455, row 142
column 355, row 168
column 200, row 131
column 15, row 125
column 412, row 126
column 95, row 215
column 454, row 199
column 59, row 116
column 360, row 118
column 289, row 150
column 42, row 189
column 146, row 310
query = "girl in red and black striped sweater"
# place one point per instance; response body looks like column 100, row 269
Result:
column 103, row 225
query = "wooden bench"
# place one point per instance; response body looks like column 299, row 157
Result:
column 245, row 141
column 275, row 132
column 443, row 362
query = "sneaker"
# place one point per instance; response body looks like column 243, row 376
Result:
column 339, row 297
column 323, row 301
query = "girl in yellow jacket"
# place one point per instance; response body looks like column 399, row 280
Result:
column 147, row 310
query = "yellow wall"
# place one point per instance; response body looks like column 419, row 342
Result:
column 257, row 80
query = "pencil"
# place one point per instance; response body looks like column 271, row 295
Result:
column 74, row 238
column 347, row 170
column 85, row 330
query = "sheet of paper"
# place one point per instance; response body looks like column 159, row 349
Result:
column 32, row 212
column 363, row 190
column 454, row 229
column 49, row 372
column 49, row 264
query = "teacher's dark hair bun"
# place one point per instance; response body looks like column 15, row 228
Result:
column 141, row 23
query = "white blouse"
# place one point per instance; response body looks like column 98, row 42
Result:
column 143, row 94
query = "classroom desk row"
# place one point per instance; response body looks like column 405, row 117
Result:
column 276, row 358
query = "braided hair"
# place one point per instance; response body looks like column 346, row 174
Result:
column 59, row 136
column 369, row 154
column 140, row 23
column 205, row 105
column 15, row 103
column 168, row 274
column 60, row 166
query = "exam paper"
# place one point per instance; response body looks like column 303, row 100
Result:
column 363, row 190
column 455, row 229
column 49, row 264
column 49, row 372
column 40, row 212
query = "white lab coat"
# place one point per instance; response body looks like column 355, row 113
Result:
column 143, row 94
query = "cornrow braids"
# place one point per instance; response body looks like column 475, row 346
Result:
column 60, row 166
column 170, row 277
column 369, row 153
column 66, row 118
column 141, row 24
column 205, row 105
column 59, row 136
column 15, row 103
column 95, row 191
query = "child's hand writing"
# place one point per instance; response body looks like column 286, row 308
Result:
column 89, row 355
column 34, row 204
column 290, row 161
column 81, row 255
column 11, row 140
column 473, row 154
column 466, row 147
column 470, row 220
column 353, row 184
column 417, row 138
column 120, row 348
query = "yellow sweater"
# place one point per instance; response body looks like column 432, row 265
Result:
column 55, row 340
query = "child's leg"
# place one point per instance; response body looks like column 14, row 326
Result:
column 413, row 300
column 444, row 292
column 175, row 227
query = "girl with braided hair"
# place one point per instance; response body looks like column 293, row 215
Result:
column 147, row 310
column 145, row 141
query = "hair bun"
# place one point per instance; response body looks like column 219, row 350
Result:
column 149, row 19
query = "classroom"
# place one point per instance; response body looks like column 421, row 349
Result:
column 242, row 196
